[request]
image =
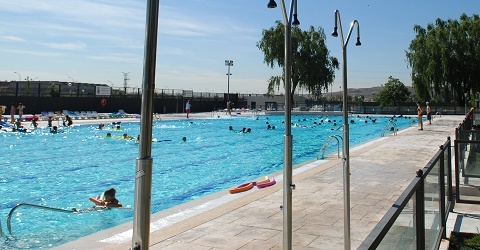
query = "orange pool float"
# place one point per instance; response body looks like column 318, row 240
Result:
column 242, row 188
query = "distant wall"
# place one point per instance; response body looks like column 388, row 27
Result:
column 176, row 104
column 35, row 105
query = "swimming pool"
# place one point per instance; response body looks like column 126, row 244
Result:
column 63, row 170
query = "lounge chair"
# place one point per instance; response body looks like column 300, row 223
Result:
column 94, row 114
column 78, row 115
column 122, row 113
column 84, row 114
column 103, row 115
column 44, row 116
column 53, row 115
column 69, row 113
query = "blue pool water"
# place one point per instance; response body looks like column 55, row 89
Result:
column 63, row 170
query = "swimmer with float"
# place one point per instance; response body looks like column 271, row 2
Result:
column 107, row 199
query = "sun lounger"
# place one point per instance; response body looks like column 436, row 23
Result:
column 78, row 115
column 69, row 113
column 103, row 115
column 53, row 115
column 94, row 114
column 120, row 114
column 83, row 114
column 44, row 115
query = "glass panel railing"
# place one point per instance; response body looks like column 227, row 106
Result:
column 446, row 161
column 432, row 206
column 402, row 233
column 469, row 166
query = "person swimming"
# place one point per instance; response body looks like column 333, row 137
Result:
column 54, row 130
column 107, row 199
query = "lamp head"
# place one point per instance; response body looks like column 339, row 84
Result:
column 358, row 43
column 335, row 33
column 272, row 4
column 295, row 20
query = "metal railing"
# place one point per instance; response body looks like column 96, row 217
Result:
column 418, row 218
column 326, row 145
column 388, row 127
column 9, row 217
column 467, row 160
column 3, row 235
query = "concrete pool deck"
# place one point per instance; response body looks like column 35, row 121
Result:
column 380, row 172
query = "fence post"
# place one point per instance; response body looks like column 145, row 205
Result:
column 441, row 181
column 420, row 212
column 449, row 175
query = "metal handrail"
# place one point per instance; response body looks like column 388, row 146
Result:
column 9, row 217
column 326, row 144
column 1, row 232
column 390, row 122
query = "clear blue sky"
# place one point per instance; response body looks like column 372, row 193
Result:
column 96, row 40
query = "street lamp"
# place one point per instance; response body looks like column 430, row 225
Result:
column 288, row 186
column 73, row 82
column 228, row 63
column 346, row 153
column 19, row 77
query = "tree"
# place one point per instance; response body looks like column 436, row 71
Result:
column 312, row 67
column 393, row 92
column 444, row 58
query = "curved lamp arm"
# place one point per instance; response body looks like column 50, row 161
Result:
column 338, row 24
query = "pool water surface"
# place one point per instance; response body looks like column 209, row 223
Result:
column 63, row 170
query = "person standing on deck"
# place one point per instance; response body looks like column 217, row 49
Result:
column 187, row 108
column 429, row 114
column 229, row 108
column 20, row 111
column 12, row 113
column 420, row 114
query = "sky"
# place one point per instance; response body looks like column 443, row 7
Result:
column 97, row 41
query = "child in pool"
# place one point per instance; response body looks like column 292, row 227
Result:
column 108, row 199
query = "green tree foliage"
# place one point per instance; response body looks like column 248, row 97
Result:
column 312, row 67
column 445, row 59
column 393, row 92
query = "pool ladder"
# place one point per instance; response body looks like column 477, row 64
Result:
column 388, row 126
column 411, row 122
column 214, row 114
column 9, row 217
column 326, row 145
column 3, row 235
